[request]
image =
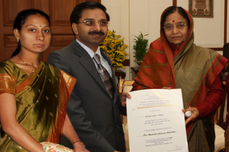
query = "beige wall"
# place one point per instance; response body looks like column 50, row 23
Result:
column 129, row 17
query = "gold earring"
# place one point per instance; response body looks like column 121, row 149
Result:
column 18, row 40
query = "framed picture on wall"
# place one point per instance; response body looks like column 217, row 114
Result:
column 201, row 8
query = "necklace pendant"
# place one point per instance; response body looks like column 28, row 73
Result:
column 25, row 63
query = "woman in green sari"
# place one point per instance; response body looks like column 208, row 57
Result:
column 33, row 94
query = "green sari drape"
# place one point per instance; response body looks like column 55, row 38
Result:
column 41, row 100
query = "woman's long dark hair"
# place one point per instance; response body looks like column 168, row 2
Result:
column 21, row 19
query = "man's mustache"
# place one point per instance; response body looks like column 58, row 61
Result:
column 94, row 32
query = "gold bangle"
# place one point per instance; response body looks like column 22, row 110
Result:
column 78, row 141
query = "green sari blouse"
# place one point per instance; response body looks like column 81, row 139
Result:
column 41, row 101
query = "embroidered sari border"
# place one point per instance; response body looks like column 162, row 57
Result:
column 209, row 77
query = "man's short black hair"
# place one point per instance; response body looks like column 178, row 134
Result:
column 77, row 11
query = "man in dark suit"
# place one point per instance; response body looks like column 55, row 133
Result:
column 93, row 109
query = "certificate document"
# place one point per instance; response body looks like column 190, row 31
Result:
column 156, row 122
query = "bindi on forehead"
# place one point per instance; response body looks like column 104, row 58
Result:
column 175, row 22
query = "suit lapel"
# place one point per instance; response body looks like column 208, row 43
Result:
column 89, row 65
column 86, row 61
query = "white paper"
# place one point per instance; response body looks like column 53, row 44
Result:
column 156, row 122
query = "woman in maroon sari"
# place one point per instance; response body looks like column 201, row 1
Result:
column 227, row 118
column 174, row 61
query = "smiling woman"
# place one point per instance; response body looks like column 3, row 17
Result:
column 174, row 61
column 176, row 26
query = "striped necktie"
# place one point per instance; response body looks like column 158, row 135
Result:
column 104, row 75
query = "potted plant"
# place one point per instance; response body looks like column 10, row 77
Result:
column 114, row 47
column 140, row 47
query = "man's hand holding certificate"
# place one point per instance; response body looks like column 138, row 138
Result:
column 156, row 121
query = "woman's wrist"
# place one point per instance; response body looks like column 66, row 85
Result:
column 77, row 142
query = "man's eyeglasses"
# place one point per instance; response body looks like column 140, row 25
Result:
column 101, row 23
column 179, row 26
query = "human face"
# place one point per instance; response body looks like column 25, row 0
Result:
column 35, row 34
column 176, row 36
column 91, row 36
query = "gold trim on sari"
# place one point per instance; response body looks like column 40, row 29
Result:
column 41, row 100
